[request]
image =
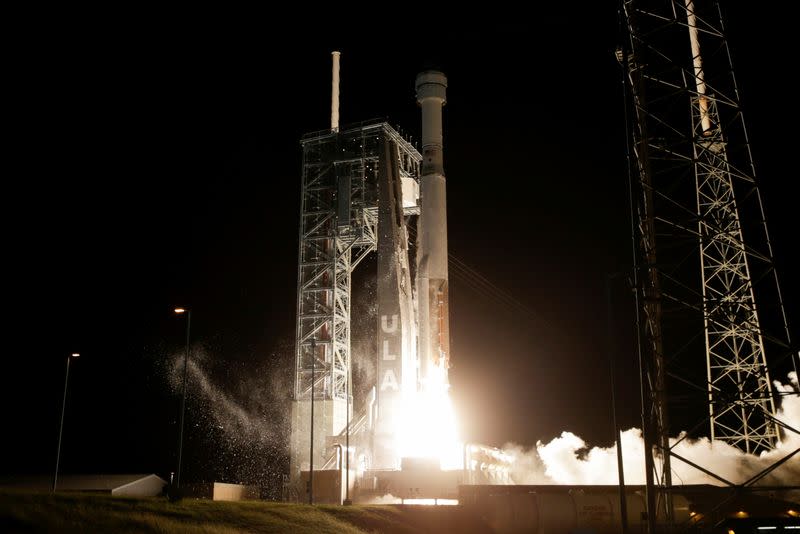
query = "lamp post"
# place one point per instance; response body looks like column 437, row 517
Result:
column 311, row 452
column 181, row 311
column 347, row 500
column 611, row 348
column 61, row 426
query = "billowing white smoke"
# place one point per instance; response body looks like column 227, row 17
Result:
column 384, row 499
column 566, row 460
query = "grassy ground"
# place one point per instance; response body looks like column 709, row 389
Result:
column 40, row 512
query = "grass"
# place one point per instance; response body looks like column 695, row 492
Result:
column 23, row 512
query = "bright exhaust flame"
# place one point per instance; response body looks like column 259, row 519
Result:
column 431, row 502
column 428, row 427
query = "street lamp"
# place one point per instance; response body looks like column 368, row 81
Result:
column 181, row 311
column 612, row 349
column 311, row 452
column 61, row 426
column 347, row 500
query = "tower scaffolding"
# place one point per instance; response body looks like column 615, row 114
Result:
column 696, row 203
column 344, row 172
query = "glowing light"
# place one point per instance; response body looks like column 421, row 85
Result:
column 75, row 354
column 694, row 517
column 431, row 502
column 427, row 425
column 180, row 310
column 793, row 513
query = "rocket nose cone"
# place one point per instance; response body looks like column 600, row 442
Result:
column 431, row 76
column 431, row 84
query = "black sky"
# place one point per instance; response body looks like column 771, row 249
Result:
column 153, row 160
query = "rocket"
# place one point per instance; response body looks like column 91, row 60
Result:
column 432, row 291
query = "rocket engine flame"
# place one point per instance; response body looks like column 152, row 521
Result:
column 428, row 426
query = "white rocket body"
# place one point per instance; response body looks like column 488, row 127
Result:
column 432, row 290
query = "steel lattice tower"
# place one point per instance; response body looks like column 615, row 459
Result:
column 326, row 258
column 735, row 358
column 344, row 175
column 695, row 202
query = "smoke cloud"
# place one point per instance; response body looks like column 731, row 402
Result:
column 384, row 499
column 567, row 459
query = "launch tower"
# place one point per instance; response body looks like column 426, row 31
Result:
column 703, row 254
column 359, row 186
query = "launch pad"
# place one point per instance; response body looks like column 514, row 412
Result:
column 365, row 188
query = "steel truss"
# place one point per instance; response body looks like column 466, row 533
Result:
column 735, row 356
column 336, row 233
column 695, row 202
column 338, row 229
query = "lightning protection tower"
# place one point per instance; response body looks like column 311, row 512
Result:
column 703, row 253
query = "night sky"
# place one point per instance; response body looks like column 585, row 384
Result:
column 153, row 161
